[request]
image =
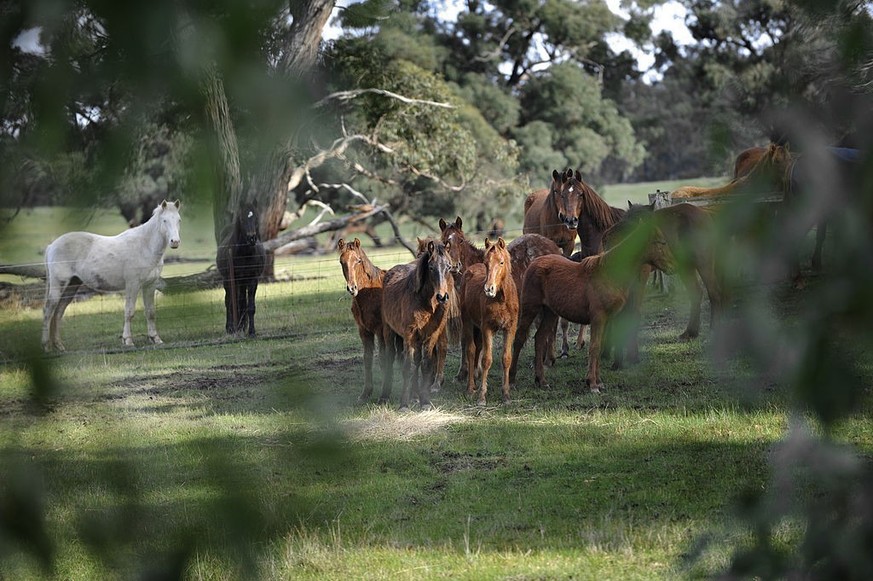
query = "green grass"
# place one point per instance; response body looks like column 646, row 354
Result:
column 248, row 458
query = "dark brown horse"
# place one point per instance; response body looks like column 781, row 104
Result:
column 586, row 292
column 490, row 305
column 241, row 259
column 554, row 213
column 364, row 283
column 417, row 307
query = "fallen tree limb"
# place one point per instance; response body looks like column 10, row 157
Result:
column 25, row 270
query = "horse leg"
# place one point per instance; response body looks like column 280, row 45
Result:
column 580, row 338
column 50, row 320
column 129, row 310
column 389, row 353
column 367, row 338
column 695, row 293
column 66, row 297
column 439, row 367
column 229, row 300
column 525, row 320
column 250, row 304
column 598, row 326
column 714, row 291
column 241, row 307
column 418, row 386
column 565, row 338
column 148, row 303
column 545, row 333
column 487, row 358
column 508, row 340
column 408, row 362
column 820, row 232
column 469, row 355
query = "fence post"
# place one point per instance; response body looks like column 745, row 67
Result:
column 661, row 200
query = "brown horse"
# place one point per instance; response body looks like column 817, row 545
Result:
column 464, row 254
column 364, row 283
column 417, row 307
column 587, row 292
column 554, row 212
column 490, row 304
column 689, row 231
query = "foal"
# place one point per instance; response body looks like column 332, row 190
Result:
column 416, row 306
column 495, row 309
column 587, row 292
column 364, row 283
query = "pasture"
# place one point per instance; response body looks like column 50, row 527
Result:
column 224, row 458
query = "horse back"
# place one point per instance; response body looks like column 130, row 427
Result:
column 524, row 249
column 534, row 207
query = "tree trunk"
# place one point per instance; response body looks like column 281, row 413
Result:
column 268, row 183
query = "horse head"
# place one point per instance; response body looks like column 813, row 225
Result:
column 435, row 268
column 170, row 222
column 497, row 266
column 454, row 234
column 564, row 192
column 351, row 259
column 248, row 224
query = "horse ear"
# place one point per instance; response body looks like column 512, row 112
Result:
column 568, row 174
column 443, row 224
column 164, row 204
column 431, row 247
column 340, row 245
column 501, row 243
column 578, row 176
column 555, row 175
column 458, row 222
column 177, row 203
column 629, row 205
column 356, row 243
column 487, row 244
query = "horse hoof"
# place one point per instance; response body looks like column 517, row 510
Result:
column 156, row 340
column 596, row 388
column 403, row 409
column 481, row 403
column 426, row 407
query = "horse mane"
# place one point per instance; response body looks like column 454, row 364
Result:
column 590, row 264
column 602, row 214
column 371, row 270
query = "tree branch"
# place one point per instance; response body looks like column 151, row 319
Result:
column 349, row 95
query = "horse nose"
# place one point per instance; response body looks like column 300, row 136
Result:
column 490, row 290
column 175, row 243
column 442, row 298
column 353, row 290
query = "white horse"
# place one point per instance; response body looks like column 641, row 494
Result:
column 129, row 261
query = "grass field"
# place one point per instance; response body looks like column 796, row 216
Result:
column 226, row 458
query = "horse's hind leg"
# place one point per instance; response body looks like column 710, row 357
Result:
column 565, row 338
column 148, row 303
column 367, row 338
column 389, row 352
column 695, row 293
column 229, row 306
column 58, row 297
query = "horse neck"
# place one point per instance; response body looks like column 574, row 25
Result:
column 601, row 214
column 471, row 255
column 149, row 233
column 373, row 275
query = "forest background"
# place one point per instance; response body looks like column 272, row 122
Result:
column 434, row 108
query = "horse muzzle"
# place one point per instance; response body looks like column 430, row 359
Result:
column 353, row 290
column 175, row 243
column 442, row 298
column 570, row 222
column 490, row 291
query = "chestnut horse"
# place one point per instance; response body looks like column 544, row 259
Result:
column 364, row 283
column 587, row 292
column 490, row 304
column 417, row 306
column 464, row 254
column 554, row 212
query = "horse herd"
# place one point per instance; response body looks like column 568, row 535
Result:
column 453, row 291
column 456, row 291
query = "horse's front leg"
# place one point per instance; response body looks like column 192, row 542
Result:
column 486, row 358
column 229, row 300
column 543, row 340
column 367, row 338
column 421, row 387
column 508, row 341
column 388, row 354
column 129, row 310
column 409, row 351
column 241, row 305
column 250, row 306
column 148, row 302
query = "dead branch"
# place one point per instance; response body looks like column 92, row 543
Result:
column 313, row 229
column 349, row 95
column 24, row 270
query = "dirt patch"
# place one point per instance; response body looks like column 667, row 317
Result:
column 452, row 462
